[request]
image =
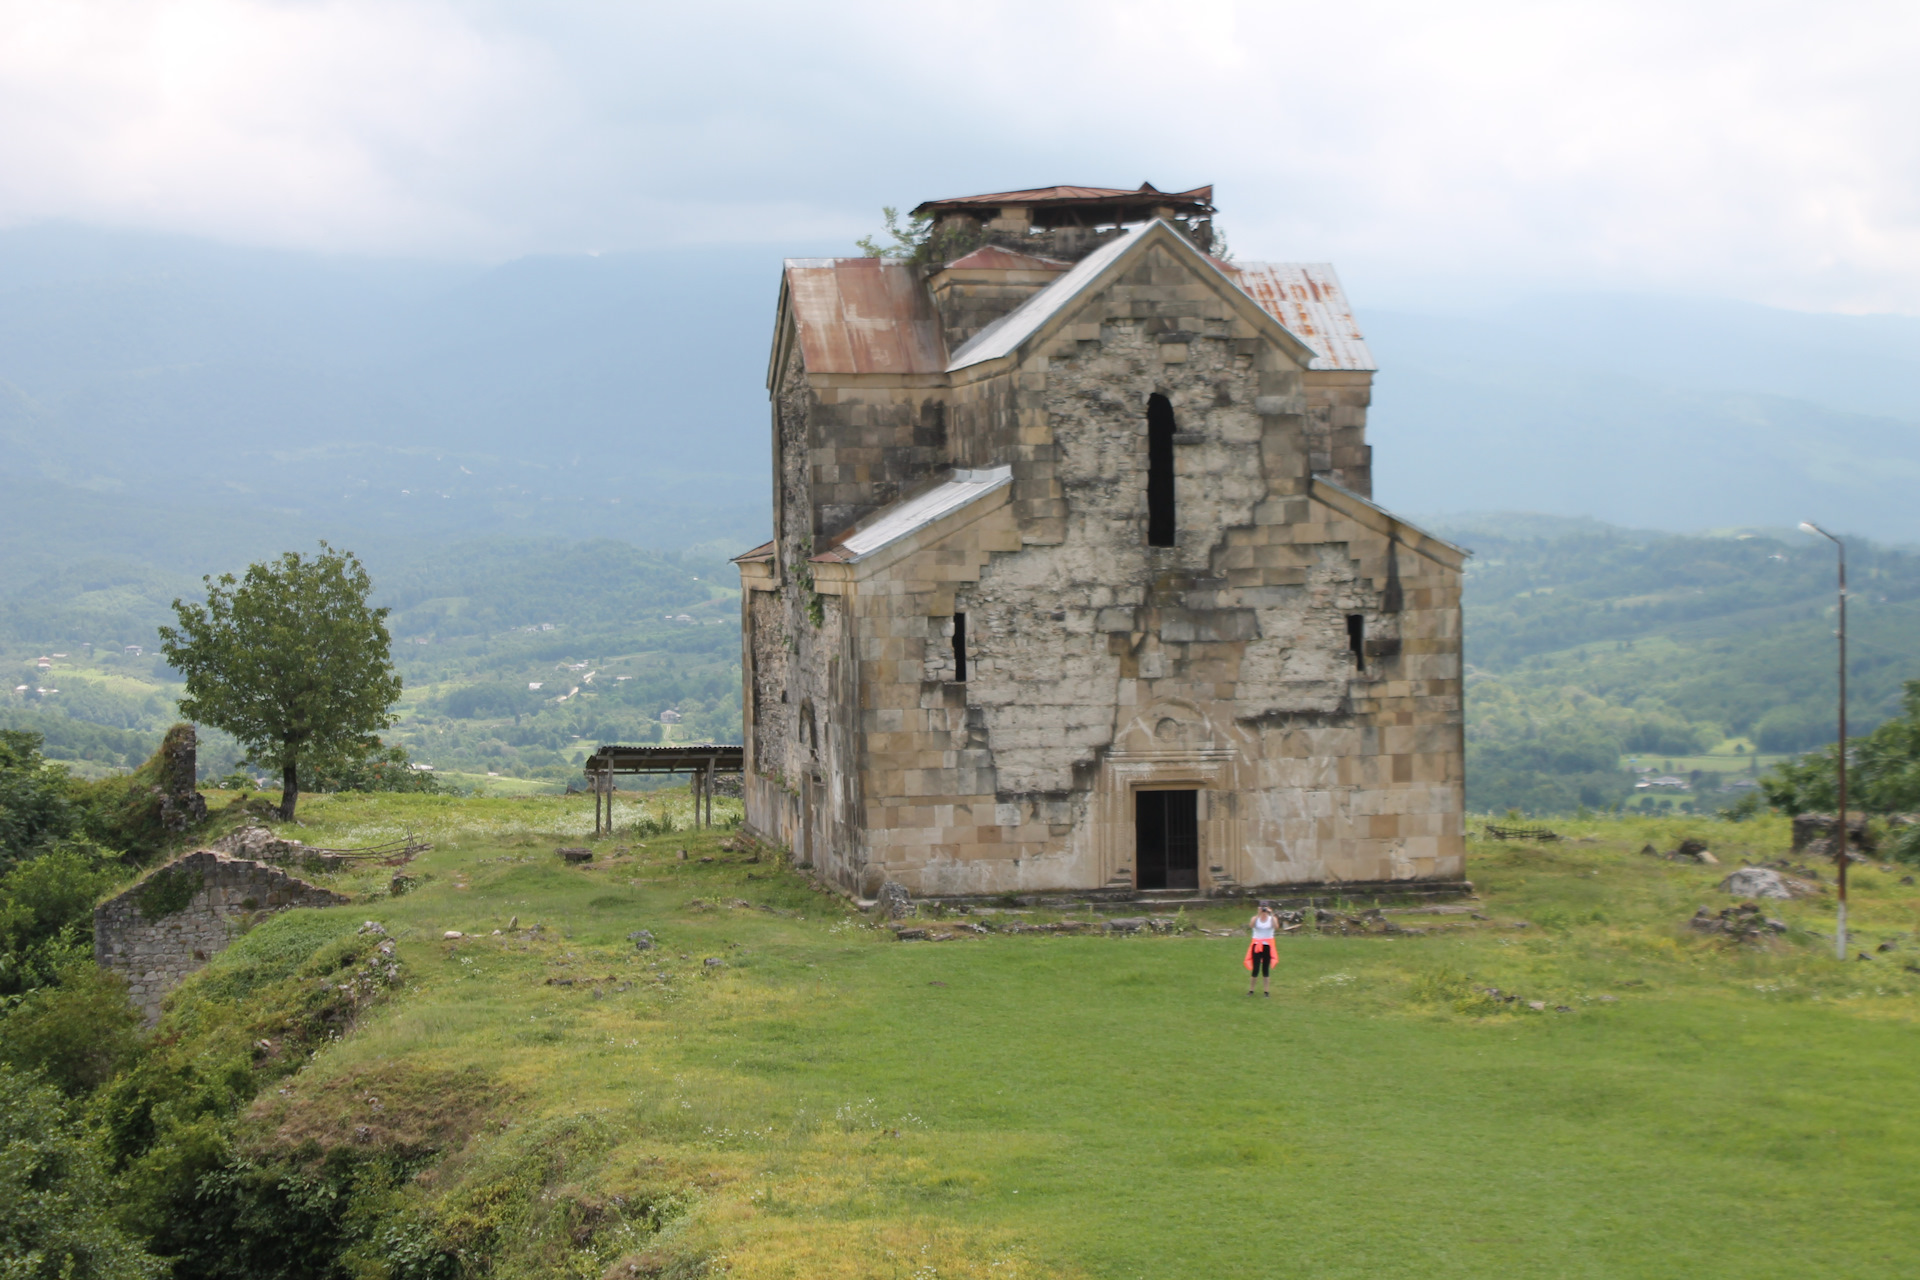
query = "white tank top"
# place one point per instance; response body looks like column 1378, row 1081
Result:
column 1264, row 932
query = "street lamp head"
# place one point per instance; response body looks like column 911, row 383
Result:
column 1807, row 526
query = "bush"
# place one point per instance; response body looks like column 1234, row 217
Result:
column 126, row 811
column 46, row 913
column 296, row 981
column 77, row 1033
column 42, row 895
column 36, row 798
column 56, row 1204
column 1905, row 845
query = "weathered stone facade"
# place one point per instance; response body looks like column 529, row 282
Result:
column 175, row 920
column 979, row 637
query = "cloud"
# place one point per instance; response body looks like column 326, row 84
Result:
column 1761, row 151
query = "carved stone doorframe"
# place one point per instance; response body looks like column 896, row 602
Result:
column 1219, row 822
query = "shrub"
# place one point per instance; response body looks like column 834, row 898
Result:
column 293, row 983
column 46, row 914
column 42, row 895
column 56, row 1204
column 1905, row 845
column 77, row 1032
column 36, row 798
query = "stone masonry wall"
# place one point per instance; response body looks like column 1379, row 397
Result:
column 1100, row 666
column 223, row 898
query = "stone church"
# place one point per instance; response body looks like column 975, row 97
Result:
column 1077, row 584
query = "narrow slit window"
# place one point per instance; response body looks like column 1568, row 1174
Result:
column 1160, row 513
column 1357, row 640
column 960, row 646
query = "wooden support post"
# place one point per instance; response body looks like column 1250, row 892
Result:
column 593, row 782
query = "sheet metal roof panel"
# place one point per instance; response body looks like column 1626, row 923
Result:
column 863, row 315
column 919, row 512
column 1146, row 193
column 762, row 552
column 1307, row 299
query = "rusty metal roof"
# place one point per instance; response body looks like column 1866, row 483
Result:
column 863, row 315
column 1198, row 200
column 1307, row 298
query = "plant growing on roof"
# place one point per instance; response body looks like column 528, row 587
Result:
column 907, row 241
column 290, row 660
column 919, row 242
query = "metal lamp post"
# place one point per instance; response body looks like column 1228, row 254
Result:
column 1841, row 858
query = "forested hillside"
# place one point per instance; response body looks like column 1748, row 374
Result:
column 518, row 655
column 1590, row 650
column 1586, row 643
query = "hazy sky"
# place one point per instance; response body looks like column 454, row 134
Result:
column 1764, row 151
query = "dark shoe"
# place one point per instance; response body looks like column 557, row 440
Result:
column 1266, row 993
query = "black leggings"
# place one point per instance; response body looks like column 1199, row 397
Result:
column 1262, row 961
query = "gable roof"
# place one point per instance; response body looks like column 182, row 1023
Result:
column 1307, row 298
column 903, row 518
column 876, row 316
column 862, row 315
column 1010, row 332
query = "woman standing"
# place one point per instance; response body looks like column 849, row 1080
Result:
column 1260, row 950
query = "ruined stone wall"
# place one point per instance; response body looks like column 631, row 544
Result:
column 174, row 921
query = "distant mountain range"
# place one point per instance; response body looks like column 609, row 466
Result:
column 1660, row 413
column 247, row 399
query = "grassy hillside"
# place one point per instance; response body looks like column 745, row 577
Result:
column 779, row 1088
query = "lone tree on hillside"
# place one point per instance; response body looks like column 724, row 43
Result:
column 289, row 660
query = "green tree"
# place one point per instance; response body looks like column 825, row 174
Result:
column 46, row 914
column 908, row 242
column 76, row 1033
column 1883, row 769
column 56, row 1201
column 290, row 660
column 35, row 798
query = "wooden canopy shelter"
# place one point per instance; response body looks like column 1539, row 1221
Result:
column 700, row 759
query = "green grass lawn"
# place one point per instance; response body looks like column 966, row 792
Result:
column 828, row 1101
